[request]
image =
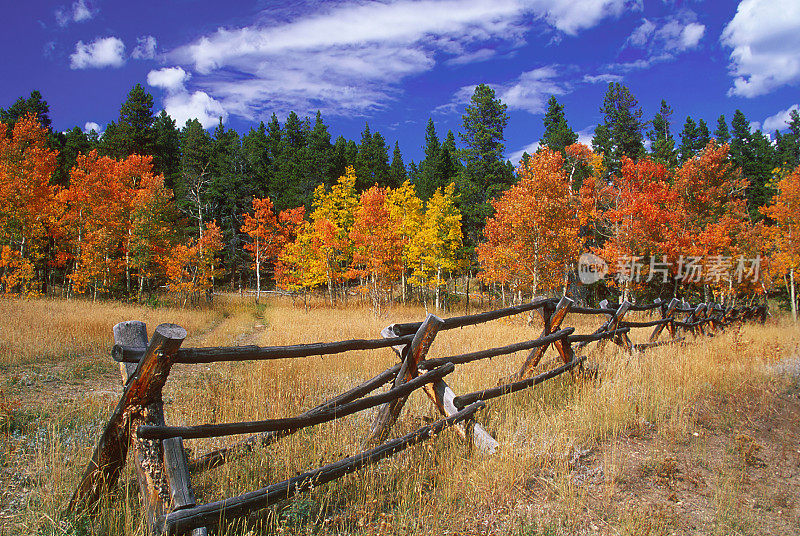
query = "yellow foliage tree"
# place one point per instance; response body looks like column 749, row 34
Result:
column 405, row 208
column 434, row 249
column 323, row 250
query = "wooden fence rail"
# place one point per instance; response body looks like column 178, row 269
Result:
column 163, row 471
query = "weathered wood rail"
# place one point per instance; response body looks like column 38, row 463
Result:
column 163, row 471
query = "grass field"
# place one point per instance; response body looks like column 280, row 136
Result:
column 678, row 440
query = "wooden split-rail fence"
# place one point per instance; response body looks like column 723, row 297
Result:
column 163, row 469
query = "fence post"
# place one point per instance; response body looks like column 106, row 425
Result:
column 552, row 316
column 613, row 323
column 439, row 392
column 668, row 313
column 140, row 403
column 411, row 354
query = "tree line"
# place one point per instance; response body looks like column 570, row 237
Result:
column 147, row 204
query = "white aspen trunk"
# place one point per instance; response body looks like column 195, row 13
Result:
column 535, row 267
column 330, row 287
column 258, row 272
column 793, row 295
column 128, row 264
column 438, row 286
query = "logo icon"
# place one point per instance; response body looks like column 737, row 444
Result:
column 591, row 268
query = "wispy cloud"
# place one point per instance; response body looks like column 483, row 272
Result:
column 528, row 92
column 765, row 38
column 102, row 52
column 349, row 58
column 662, row 40
column 603, row 78
column 584, row 136
column 673, row 34
column 145, row 48
column 79, row 11
column 531, row 90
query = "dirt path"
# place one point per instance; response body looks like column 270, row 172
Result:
column 43, row 391
column 737, row 471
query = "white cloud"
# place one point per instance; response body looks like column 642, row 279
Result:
column 584, row 136
column 529, row 92
column 765, row 38
column 573, row 16
column 691, row 34
column 183, row 106
column 80, row 12
column 479, row 55
column 604, row 78
column 640, row 63
column 532, row 89
column 102, row 52
column 171, row 79
column 516, row 156
column 780, row 120
column 673, row 34
column 90, row 126
column 641, row 35
column 145, row 48
column 350, row 57
column 77, row 12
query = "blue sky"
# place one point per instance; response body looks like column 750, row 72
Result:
column 396, row 63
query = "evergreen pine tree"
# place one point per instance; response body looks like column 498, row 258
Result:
column 133, row 131
column 662, row 144
column 339, row 160
column 429, row 179
column 167, row 149
column 621, row 134
column 257, row 160
column 689, row 138
column 557, row 133
column 34, row 105
column 754, row 154
column 70, row 145
column 397, row 170
column 485, row 174
column 230, row 194
column 191, row 189
column 722, row 134
column 703, row 136
column 320, row 161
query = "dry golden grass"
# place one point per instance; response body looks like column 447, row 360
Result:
column 41, row 330
column 438, row 487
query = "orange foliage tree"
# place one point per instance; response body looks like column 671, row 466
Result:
column 112, row 221
column 377, row 244
column 26, row 202
column 190, row 268
column 785, row 234
column 533, row 236
column 642, row 218
column 268, row 240
column 716, row 224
